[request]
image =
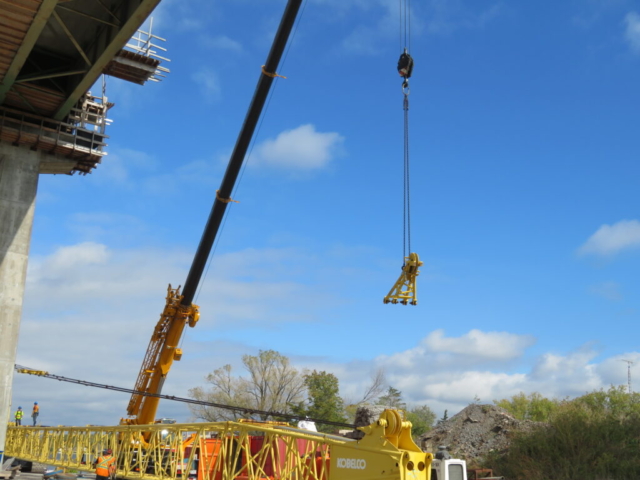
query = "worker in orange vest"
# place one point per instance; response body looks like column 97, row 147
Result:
column 105, row 465
column 35, row 412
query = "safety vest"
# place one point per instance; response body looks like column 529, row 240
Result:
column 105, row 466
column 19, row 414
column 36, row 409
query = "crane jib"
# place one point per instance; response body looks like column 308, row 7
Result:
column 239, row 152
column 179, row 310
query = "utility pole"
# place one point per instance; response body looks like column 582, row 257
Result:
column 629, row 363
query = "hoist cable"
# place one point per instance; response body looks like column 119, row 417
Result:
column 407, row 183
column 405, row 68
column 241, row 410
column 409, row 24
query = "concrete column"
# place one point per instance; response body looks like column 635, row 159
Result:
column 19, row 169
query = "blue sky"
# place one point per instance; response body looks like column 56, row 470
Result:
column 524, row 150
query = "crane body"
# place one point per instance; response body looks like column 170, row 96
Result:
column 179, row 310
column 242, row 450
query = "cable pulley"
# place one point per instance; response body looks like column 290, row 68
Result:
column 405, row 67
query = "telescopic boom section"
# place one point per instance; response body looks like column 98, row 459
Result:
column 179, row 310
column 223, row 196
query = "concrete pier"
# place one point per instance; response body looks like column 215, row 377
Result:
column 19, row 170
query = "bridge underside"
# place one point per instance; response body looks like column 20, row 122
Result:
column 51, row 53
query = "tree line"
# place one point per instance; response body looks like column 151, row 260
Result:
column 592, row 437
column 271, row 383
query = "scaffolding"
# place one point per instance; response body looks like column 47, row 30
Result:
column 80, row 138
column 140, row 60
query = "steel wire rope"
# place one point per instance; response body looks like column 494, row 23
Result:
column 407, row 184
column 405, row 31
column 243, row 410
column 400, row 25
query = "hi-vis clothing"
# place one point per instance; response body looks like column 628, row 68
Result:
column 36, row 409
column 105, row 465
column 19, row 414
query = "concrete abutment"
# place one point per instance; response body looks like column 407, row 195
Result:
column 19, row 171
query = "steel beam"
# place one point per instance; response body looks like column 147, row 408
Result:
column 119, row 40
column 39, row 21
column 72, row 38
column 86, row 15
column 48, row 75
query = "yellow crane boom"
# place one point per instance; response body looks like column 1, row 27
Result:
column 179, row 310
column 163, row 350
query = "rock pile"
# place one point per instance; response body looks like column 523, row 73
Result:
column 474, row 432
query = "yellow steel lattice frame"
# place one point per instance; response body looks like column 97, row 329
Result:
column 230, row 451
column 405, row 291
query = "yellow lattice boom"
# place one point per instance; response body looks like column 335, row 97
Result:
column 230, row 451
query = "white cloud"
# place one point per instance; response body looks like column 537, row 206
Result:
column 302, row 148
column 608, row 290
column 612, row 239
column 446, row 17
column 465, row 387
column 473, row 348
column 89, row 301
column 453, row 384
column 121, row 162
column 488, row 345
column 174, row 15
column 99, row 305
column 106, row 226
column 569, row 375
column 209, row 83
column 632, row 32
column 222, row 42
column 617, row 369
column 69, row 258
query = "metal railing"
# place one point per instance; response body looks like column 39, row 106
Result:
column 142, row 43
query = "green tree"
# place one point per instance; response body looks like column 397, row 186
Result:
column 529, row 407
column 591, row 438
column 445, row 417
column 422, row 419
column 272, row 384
column 393, row 398
column 323, row 400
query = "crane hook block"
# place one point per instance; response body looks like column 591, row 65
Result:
column 405, row 65
column 404, row 291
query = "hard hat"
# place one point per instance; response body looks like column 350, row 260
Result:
column 35, row 403
column 19, row 408
column 107, row 451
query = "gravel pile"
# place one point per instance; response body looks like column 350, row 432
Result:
column 474, row 432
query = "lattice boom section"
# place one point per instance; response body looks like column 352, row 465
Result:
column 206, row 451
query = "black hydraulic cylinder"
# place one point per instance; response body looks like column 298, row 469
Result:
column 239, row 152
